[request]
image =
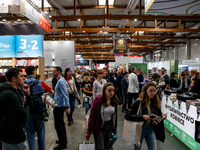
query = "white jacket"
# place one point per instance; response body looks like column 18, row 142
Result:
column 133, row 83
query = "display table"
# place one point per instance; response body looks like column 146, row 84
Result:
column 181, row 121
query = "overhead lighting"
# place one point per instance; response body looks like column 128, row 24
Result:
column 100, row 31
column 101, row 55
column 127, row 31
column 197, row 59
column 197, row 39
column 170, row 47
column 4, row 20
column 135, row 19
column 103, row 27
column 102, row 2
column 141, row 31
column 105, row 33
column 19, row 20
column 67, row 32
column 46, row 12
column 110, row 38
column 29, row 21
column 111, row 2
column 83, row 31
column 50, row 16
column 1, row 22
column 79, row 19
column 181, row 43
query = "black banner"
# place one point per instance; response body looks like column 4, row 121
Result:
column 120, row 46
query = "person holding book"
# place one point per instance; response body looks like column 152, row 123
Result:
column 150, row 104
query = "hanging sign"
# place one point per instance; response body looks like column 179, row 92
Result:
column 9, row 6
column 120, row 46
column 29, row 45
column 7, row 46
column 188, row 7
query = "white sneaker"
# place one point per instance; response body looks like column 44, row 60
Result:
column 79, row 106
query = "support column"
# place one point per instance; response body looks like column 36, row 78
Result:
column 188, row 49
column 167, row 54
column 176, row 52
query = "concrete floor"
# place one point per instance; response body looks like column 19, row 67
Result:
column 76, row 134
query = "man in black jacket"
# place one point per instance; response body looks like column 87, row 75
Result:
column 186, row 80
column 15, row 104
column 113, row 76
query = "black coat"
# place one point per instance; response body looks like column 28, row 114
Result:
column 132, row 116
column 174, row 84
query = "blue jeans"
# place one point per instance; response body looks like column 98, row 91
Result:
column 20, row 146
column 35, row 124
column 87, row 105
column 72, row 106
column 149, row 135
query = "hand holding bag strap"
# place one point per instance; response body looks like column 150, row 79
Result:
column 69, row 85
column 45, row 98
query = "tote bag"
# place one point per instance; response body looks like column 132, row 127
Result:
column 85, row 146
column 132, row 130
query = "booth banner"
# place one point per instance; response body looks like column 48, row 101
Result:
column 188, row 7
column 181, row 120
column 13, row 6
column 120, row 46
column 9, row 6
column 32, row 13
column 29, row 45
column 7, row 46
column 44, row 24
column 121, row 67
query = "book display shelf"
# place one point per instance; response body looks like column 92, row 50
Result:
column 22, row 62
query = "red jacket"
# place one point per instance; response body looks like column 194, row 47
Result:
column 95, row 120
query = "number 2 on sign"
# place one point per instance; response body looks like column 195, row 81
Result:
column 35, row 44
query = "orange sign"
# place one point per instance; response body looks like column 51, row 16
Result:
column 44, row 24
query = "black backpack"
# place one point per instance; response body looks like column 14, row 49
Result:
column 36, row 92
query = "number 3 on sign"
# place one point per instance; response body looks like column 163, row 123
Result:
column 23, row 44
column 34, row 45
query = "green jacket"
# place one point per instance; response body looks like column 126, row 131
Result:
column 13, row 114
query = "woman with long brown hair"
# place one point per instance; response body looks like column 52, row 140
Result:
column 150, row 104
column 103, row 117
column 71, row 89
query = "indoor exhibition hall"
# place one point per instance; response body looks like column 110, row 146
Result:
column 99, row 74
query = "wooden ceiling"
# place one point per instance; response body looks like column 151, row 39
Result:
column 92, row 27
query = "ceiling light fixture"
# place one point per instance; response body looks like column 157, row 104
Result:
column 46, row 12
column 111, row 2
column 135, row 19
column 197, row 39
column 102, row 2
column 50, row 16
column 4, row 20
column 83, row 31
column 19, row 20
column 79, row 19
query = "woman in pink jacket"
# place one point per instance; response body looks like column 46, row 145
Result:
column 103, row 117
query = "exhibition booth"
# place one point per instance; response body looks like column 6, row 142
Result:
column 183, row 118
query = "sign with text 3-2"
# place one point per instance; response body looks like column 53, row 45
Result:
column 29, row 45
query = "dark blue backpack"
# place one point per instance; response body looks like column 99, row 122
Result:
column 36, row 92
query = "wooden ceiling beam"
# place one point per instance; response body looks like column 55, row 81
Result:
column 96, row 7
column 129, row 42
column 119, row 17
column 126, row 29
column 91, row 46
column 136, row 37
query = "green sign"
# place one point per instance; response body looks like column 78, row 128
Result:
column 174, row 67
column 183, row 136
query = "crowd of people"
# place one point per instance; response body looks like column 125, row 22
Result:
column 21, row 109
